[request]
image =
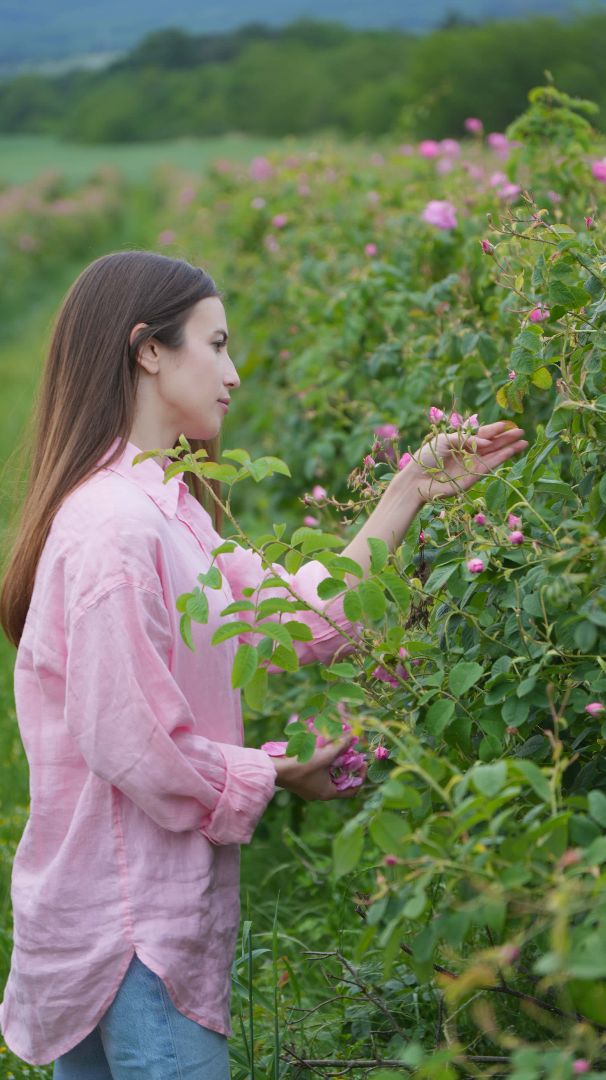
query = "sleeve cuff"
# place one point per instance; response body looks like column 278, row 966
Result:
column 250, row 782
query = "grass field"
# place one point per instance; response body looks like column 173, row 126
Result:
column 23, row 157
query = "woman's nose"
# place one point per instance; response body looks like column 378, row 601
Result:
column 232, row 378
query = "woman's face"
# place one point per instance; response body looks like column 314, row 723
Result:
column 181, row 389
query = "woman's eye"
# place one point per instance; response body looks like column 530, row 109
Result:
column 219, row 344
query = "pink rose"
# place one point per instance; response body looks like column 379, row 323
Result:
column 404, row 460
column 498, row 142
column 538, row 314
column 381, row 753
column 279, row 220
column 487, row 247
column 371, row 249
column 450, row 147
column 441, row 213
column 580, row 1066
column 594, row 708
column 319, row 492
column 598, row 169
column 509, row 191
column 435, row 414
column 475, row 566
column 497, row 178
column 385, row 676
column 512, row 375
column 369, row 462
column 260, row 169
column 588, row 222
column 166, row 237
column 275, row 749
column 429, row 148
column 309, row 520
column 479, row 519
column 514, row 521
column 472, row 422
column 455, row 420
column 473, row 125
column 387, row 431
column 516, row 537
column 390, row 860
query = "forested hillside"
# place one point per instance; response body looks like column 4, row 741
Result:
column 47, row 31
column 323, row 76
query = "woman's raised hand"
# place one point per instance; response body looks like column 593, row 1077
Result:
column 311, row 779
column 458, row 460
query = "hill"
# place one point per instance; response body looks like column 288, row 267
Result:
column 37, row 32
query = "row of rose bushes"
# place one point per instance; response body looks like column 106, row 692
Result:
column 468, row 876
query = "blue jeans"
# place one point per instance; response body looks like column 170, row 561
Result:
column 142, row 1036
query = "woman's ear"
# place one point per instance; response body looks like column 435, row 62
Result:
column 147, row 353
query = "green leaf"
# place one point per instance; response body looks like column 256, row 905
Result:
column 229, row 630
column 463, row 676
column 255, row 691
column 489, row 779
column 225, row 473
column 533, row 776
column 390, row 831
column 212, row 578
column 347, row 848
column 440, row 575
column 330, row 587
column 197, row 606
column 185, row 627
column 238, row 605
column 346, row 691
column 352, row 606
column 274, row 604
column 293, row 561
column 284, row 658
column 379, row 553
column 301, row 745
column 372, row 599
column 319, row 541
column 276, row 631
column 342, row 564
column 343, row 670
column 241, row 456
column 542, row 378
column 229, row 545
column 397, row 588
column 271, row 465
column 596, row 802
column 245, row 665
column 298, row 630
column 570, row 297
column 439, row 716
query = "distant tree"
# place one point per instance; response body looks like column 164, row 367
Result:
column 453, row 20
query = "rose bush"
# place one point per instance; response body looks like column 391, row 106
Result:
column 471, row 876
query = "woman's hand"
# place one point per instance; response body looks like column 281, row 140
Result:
column 311, row 779
column 454, row 471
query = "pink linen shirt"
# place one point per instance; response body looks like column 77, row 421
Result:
column 141, row 790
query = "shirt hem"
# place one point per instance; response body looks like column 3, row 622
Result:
column 72, row 1042
column 207, row 1022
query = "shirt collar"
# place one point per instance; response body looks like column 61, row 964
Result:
column 149, row 475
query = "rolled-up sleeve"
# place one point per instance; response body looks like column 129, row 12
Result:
column 133, row 725
column 244, row 569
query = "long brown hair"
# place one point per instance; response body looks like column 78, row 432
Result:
column 87, row 396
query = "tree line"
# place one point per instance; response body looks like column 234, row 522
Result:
column 310, row 76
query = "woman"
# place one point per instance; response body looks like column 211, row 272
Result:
column 125, row 881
